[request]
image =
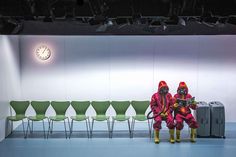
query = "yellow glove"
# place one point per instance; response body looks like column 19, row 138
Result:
column 163, row 114
column 176, row 105
column 194, row 103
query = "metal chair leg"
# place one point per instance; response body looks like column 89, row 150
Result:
column 109, row 129
column 129, row 128
column 28, row 127
column 87, row 127
column 65, row 128
column 149, row 127
column 44, row 134
column 132, row 127
column 49, row 127
column 69, row 124
column 32, row 127
column 7, row 126
column 91, row 131
column 71, row 127
column 23, row 128
column 112, row 127
column 48, row 124
column 11, row 127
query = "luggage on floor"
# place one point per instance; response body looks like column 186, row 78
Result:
column 203, row 119
column 217, row 119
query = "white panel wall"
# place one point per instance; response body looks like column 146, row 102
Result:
column 129, row 67
column 9, row 77
column 217, row 71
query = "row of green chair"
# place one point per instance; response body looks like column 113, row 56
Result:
column 80, row 108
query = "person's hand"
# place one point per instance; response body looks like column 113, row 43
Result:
column 163, row 114
column 194, row 103
column 176, row 105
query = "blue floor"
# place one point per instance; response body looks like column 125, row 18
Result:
column 120, row 145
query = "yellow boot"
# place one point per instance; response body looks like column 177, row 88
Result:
column 172, row 135
column 156, row 136
column 178, row 136
column 193, row 134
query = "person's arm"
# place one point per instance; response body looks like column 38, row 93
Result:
column 153, row 104
column 175, row 104
column 193, row 106
column 171, row 103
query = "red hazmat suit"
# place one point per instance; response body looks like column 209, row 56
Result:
column 162, row 103
column 184, row 113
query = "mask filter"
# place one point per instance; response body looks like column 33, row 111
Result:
column 182, row 91
column 164, row 90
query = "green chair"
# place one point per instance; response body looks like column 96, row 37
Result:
column 100, row 107
column 120, row 107
column 40, row 108
column 20, row 108
column 80, row 108
column 60, row 108
column 140, row 108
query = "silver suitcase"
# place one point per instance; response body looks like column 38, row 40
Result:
column 203, row 119
column 217, row 119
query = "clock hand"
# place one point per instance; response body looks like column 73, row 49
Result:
column 44, row 50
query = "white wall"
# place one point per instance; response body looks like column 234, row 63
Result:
column 129, row 67
column 9, row 77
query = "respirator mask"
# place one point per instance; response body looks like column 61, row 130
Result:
column 164, row 90
column 182, row 91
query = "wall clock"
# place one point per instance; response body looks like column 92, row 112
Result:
column 43, row 52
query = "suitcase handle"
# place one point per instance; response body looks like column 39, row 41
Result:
column 204, row 121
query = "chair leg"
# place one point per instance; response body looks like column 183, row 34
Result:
column 7, row 126
column 152, row 128
column 89, row 126
column 65, row 128
column 48, row 124
column 9, row 122
column 71, row 127
column 32, row 127
column 23, row 128
column 69, row 124
column 44, row 134
column 91, row 131
column 149, row 127
column 86, row 122
column 49, row 127
column 11, row 127
column 109, row 129
column 129, row 128
column 112, row 127
column 132, row 127
column 28, row 127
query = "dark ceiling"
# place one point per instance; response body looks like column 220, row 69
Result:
column 118, row 17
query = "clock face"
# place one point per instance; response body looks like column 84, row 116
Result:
column 43, row 52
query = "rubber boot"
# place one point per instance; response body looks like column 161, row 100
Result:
column 178, row 136
column 172, row 135
column 193, row 134
column 156, row 136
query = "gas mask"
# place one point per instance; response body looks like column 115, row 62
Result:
column 182, row 91
column 163, row 91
